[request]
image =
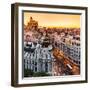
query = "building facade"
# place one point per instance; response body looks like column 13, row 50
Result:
column 32, row 24
column 38, row 58
column 70, row 47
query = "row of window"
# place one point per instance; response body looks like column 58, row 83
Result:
column 74, row 54
column 46, row 66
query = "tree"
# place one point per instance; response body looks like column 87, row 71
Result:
column 28, row 72
column 38, row 74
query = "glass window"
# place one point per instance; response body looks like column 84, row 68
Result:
column 46, row 67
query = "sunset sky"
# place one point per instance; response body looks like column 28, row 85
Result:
column 53, row 20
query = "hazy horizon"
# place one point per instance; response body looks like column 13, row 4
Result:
column 53, row 20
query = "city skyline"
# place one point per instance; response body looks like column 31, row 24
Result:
column 53, row 20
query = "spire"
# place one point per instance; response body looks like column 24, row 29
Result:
column 31, row 18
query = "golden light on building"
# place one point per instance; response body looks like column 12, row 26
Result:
column 60, row 58
column 32, row 24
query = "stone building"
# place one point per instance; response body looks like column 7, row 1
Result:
column 70, row 47
column 38, row 58
column 32, row 24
